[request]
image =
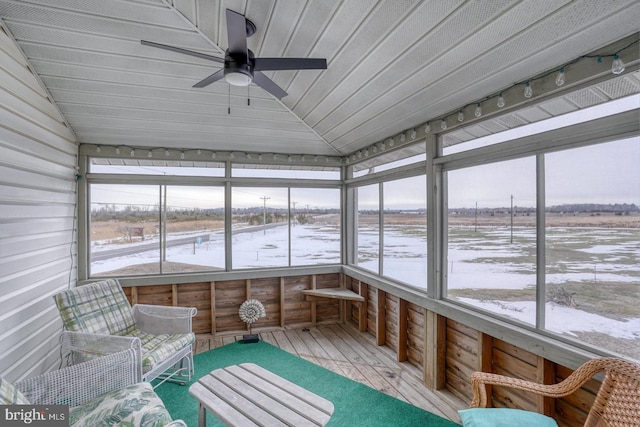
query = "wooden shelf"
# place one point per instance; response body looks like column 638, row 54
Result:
column 337, row 293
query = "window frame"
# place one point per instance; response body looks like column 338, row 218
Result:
column 606, row 129
column 227, row 182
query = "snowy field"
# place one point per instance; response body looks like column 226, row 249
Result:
column 486, row 263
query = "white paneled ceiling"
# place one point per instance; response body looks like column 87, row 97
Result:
column 392, row 65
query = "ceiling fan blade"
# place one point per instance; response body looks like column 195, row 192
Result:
column 266, row 64
column 267, row 84
column 236, row 32
column 180, row 50
column 211, row 79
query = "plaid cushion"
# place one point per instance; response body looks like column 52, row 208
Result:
column 10, row 395
column 97, row 308
column 156, row 348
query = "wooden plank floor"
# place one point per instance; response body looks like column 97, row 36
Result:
column 343, row 350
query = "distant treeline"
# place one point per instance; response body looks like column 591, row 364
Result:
column 616, row 208
column 136, row 213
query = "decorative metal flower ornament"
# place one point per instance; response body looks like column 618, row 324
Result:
column 250, row 311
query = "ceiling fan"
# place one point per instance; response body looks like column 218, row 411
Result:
column 241, row 67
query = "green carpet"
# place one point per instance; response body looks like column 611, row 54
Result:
column 355, row 404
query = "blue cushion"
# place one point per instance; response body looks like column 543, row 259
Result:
column 504, row 417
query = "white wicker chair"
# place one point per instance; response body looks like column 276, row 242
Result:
column 106, row 322
column 96, row 391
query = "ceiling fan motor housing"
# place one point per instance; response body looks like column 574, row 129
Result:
column 238, row 68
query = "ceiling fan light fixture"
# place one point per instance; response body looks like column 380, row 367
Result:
column 238, row 78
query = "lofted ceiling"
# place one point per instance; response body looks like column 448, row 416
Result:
column 392, row 65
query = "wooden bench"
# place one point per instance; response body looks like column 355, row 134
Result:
column 248, row 395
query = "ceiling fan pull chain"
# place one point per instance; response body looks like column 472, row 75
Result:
column 229, row 101
column 249, row 95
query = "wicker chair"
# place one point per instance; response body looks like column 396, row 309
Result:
column 617, row 403
column 101, row 391
column 105, row 322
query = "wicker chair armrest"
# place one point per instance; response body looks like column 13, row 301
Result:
column 159, row 319
column 82, row 346
column 479, row 381
column 77, row 384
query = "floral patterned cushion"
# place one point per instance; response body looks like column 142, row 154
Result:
column 136, row 405
column 9, row 395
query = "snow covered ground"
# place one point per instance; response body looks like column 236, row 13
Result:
column 479, row 263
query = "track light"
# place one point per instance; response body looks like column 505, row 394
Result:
column 413, row 134
column 149, row 154
column 391, row 142
column 478, row 110
column 427, row 128
column 166, row 152
column 443, row 124
column 213, row 155
column 617, row 66
column 501, row 102
column 117, row 150
column 528, row 92
column 98, row 149
column 182, row 155
column 560, row 77
column 133, row 152
column 461, row 116
column 402, row 137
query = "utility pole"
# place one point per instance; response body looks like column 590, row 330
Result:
column 476, row 219
column 512, row 218
column 264, row 213
column 294, row 213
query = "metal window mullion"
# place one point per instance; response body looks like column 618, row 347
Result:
column 433, row 205
column 540, row 243
column 163, row 224
column 380, row 228
column 228, row 230
column 289, row 223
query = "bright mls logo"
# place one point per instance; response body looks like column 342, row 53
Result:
column 35, row 415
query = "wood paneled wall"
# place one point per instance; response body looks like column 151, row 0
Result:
column 447, row 352
column 218, row 302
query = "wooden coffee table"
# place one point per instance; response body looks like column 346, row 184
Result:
column 248, row 395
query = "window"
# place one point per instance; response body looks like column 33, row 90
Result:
column 592, row 232
column 177, row 224
column 277, row 171
column 315, row 226
column 368, row 228
column 156, row 167
column 405, row 230
column 491, row 257
column 260, row 235
column 151, row 229
column 124, row 230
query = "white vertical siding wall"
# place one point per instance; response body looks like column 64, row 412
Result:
column 38, row 157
